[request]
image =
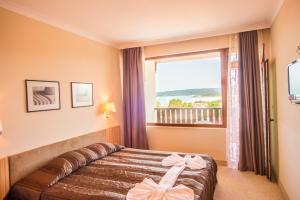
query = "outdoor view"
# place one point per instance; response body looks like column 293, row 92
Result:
column 189, row 91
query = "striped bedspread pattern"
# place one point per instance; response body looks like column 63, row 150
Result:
column 111, row 177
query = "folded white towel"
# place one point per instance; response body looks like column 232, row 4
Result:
column 149, row 190
column 196, row 162
column 170, row 178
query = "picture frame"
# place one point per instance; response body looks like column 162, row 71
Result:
column 42, row 95
column 82, row 94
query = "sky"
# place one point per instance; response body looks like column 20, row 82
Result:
column 188, row 74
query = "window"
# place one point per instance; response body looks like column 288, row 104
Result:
column 187, row 90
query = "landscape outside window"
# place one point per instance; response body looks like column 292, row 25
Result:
column 189, row 91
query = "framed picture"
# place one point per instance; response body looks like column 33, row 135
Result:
column 82, row 94
column 42, row 95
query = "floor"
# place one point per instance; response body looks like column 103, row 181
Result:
column 235, row 185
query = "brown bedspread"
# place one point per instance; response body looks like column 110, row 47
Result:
column 107, row 172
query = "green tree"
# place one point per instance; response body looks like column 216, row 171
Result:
column 175, row 103
column 158, row 104
column 212, row 104
column 187, row 105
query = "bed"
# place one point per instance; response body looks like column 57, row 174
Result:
column 105, row 171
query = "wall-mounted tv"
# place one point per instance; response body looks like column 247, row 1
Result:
column 294, row 81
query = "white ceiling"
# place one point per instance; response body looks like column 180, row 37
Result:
column 127, row 23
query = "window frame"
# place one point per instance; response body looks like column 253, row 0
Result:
column 224, row 82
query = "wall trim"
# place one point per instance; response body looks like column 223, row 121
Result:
column 283, row 191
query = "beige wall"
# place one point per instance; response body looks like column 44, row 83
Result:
column 285, row 35
column 196, row 140
column 33, row 50
column 210, row 141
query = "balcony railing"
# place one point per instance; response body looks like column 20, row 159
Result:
column 188, row 115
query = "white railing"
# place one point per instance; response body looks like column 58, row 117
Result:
column 188, row 115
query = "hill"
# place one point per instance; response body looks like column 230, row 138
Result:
column 192, row 92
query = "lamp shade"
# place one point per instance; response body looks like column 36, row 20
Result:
column 109, row 107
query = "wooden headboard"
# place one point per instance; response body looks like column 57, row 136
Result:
column 24, row 163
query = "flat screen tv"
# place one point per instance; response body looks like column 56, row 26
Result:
column 294, row 81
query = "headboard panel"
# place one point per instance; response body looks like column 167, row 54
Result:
column 24, row 163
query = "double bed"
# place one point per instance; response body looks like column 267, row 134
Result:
column 105, row 171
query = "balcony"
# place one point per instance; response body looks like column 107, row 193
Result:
column 193, row 116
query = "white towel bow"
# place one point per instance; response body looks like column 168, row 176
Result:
column 193, row 163
column 149, row 190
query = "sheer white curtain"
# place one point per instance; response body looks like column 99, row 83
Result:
column 233, row 103
column 150, row 92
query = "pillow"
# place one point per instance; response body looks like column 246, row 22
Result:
column 98, row 149
column 64, row 165
column 59, row 167
column 111, row 148
column 76, row 159
column 88, row 154
column 104, row 149
column 48, row 175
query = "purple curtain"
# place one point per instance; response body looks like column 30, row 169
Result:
column 133, row 97
column 252, row 144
